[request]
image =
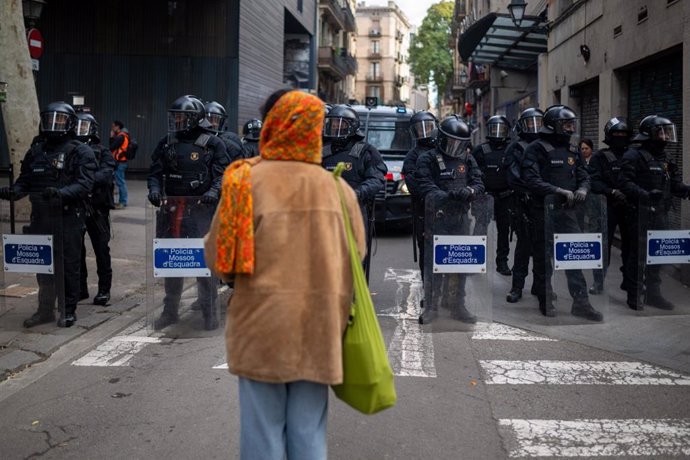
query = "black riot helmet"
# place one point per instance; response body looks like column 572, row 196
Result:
column 185, row 114
column 423, row 126
column 57, row 120
column 215, row 115
column 87, row 128
column 657, row 131
column 618, row 133
column 498, row 129
column 252, row 129
column 560, row 121
column 341, row 124
column 453, row 136
column 529, row 123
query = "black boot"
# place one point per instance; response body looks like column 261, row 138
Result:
column 503, row 269
column 196, row 305
column 546, row 308
column 583, row 309
column 67, row 319
column 634, row 302
column 84, row 295
column 596, row 289
column 165, row 320
column 460, row 313
column 428, row 314
column 101, row 298
column 39, row 318
column 658, row 301
column 211, row 322
column 534, row 292
column 514, row 295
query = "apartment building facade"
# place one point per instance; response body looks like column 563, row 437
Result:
column 337, row 66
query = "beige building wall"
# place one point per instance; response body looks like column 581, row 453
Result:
column 382, row 48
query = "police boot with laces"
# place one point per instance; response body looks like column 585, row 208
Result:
column 101, row 298
column 39, row 318
column 67, row 319
column 503, row 269
column 656, row 300
column 165, row 320
column 583, row 309
column 514, row 295
column 460, row 313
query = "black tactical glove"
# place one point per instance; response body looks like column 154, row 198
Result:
column 155, row 198
column 567, row 194
column 464, row 194
column 618, row 195
column 655, row 195
column 209, row 198
column 6, row 193
column 580, row 195
column 50, row 193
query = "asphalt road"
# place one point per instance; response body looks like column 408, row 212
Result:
column 519, row 387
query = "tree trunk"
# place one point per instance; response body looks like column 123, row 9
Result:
column 20, row 112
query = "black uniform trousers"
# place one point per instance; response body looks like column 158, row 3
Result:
column 501, row 214
column 418, row 218
column 523, row 229
column 67, row 231
column 559, row 220
column 98, row 229
column 186, row 219
column 616, row 216
column 640, row 278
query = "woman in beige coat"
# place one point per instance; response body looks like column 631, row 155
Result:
column 279, row 231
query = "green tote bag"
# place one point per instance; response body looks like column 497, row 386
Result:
column 368, row 382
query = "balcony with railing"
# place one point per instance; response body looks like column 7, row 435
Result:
column 332, row 63
column 349, row 18
column 374, row 54
column 350, row 63
column 332, row 11
column 375, row 77
column 400, row 80
column 374, row 32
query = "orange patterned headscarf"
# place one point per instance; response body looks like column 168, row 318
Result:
column 291, row 132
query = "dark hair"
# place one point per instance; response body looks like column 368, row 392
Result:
column 119, row 124
column 271, row 101
column 588, row 142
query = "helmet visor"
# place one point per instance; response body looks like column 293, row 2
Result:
column 499, row 130
column 56, row 122
column 531, row 124
column 422, row 129
column 666, row 133
column 568, row 127
column 338, row 127
column 83, row 128
column 217, row 120
column 455, row 147
column 179, row 121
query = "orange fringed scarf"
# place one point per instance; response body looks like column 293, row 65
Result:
column 291, row 132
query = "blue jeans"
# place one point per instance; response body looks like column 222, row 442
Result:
column 120, row 181
column 279, row 419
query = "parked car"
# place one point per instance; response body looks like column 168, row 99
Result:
column 387, row 129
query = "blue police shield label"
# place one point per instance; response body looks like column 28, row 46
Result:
column 668, row 247
column 459, row 254
column 577, row 251
column 179, row 257
column 28, row 254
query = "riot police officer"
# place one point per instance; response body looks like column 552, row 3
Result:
column 251, row 133
column 649, row 178
column 553, row 167
column 423, row 127
column 492, row 160
column 57, row 173
column 528, row 125
column 605, row 167
column 188, row 162
column 365, row 170
column 449, row 172
column 216, row 116
column 97, row 210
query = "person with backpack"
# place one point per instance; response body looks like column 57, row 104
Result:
column 57, row 173
column 527, row 127
column 119, row 144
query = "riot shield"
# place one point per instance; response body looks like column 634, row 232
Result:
column 654, row 286
column 33, row 277
column 182, row 297
column 575, row 242
column 457, row 263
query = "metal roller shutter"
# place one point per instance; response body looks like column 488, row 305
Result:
column 657, row 88
column 589, row 118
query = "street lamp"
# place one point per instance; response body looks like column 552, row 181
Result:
column 463, row 77
column 32, row 8
column 517, row 11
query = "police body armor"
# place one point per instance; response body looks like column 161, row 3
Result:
column 613, row 168
column 102, row 194
column 354, row 167
column 50, row 168
column 495, row 174
column 561, row 166
column 188, row 167
column 655, row 176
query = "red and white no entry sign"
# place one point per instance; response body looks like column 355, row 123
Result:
column 35, row 43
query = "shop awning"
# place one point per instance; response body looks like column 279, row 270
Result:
column 495, row 40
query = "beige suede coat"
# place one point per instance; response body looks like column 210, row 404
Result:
column 286, row 321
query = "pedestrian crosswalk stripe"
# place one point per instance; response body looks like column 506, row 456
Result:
column 117, row 351
column 599, row 438
column 496, row 331
column 578, row 373
column 411, row 352
column 221, row 366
